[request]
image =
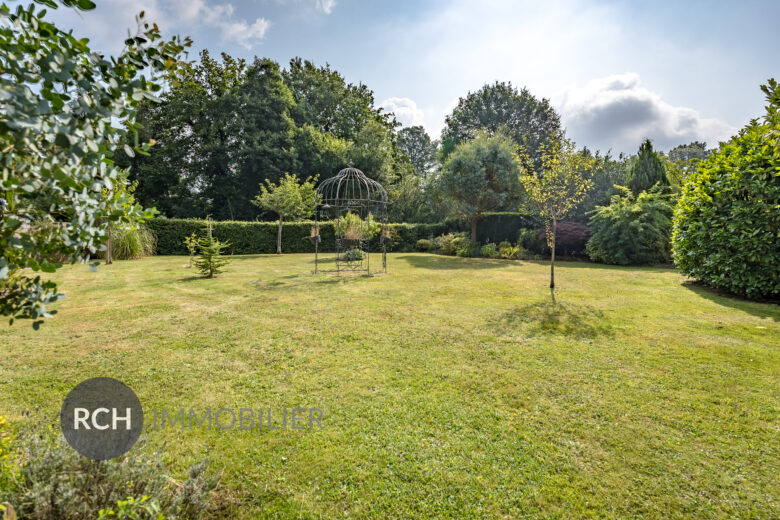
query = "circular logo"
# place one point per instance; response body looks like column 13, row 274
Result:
column 101, row 418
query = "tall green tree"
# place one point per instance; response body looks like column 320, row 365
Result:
column 325, row 100
column 608, row 172
column 648, row 170
column 268, row 131
column 415, row 142
column 193, row 171
column 223, row 128
column 558, row 187
column 529, row 121
column 289, row 199
column 479, row 176
column 60, row 131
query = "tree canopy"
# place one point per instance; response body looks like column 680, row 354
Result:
column 225, row 126
column 479, row 175
column 529, row 121
column 290, row 199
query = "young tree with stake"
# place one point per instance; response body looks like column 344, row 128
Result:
column 559, row 187
column 290, row 199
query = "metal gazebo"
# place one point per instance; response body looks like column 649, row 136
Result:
column 350, row 196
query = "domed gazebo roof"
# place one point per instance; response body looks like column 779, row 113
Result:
column 350, row 188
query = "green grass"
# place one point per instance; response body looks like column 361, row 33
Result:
column 452, row 388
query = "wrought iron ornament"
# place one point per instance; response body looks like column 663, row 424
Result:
column 350, row 191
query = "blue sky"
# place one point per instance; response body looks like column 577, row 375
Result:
column 616, row 71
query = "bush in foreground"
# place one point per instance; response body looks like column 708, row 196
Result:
column 44, row 478
column 727, row 219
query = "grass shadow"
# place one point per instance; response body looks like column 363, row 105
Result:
column 582, row 264
column 191, row 278
column 453, row 262
column 761, row 308
column 555, row 318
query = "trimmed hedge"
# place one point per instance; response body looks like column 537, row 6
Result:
column 503, row 226
column 260, row 237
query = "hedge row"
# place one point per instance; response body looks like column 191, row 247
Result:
column 499, row 226
column 260, row 237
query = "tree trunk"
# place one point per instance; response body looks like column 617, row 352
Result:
column 109, row 259
column 474, row 231
column 279, row 237
column 552, row 256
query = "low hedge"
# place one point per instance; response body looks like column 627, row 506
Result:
column 260, row 237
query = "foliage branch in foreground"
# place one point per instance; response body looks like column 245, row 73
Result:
column 64, row 112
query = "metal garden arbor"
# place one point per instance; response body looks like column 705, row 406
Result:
column 358, row 207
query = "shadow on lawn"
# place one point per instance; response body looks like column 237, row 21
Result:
column 555, row 318
column 454, row 262
column 761, row 308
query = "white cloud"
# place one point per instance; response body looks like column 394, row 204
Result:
column 326, row 6
column 108, row 24
column 323, row 6
column 406, row 110
column 222, row 17
column 616, row 112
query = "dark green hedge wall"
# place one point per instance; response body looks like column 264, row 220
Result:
column 499, row 226
column 260, row 237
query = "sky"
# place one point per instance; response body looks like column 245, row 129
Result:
column 617, row 72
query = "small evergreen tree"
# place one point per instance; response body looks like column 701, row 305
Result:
column 479, row 176
column 210, row 261
column 647, row 171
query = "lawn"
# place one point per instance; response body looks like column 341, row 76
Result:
column 451, row 388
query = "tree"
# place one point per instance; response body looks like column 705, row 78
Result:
column 210, row 261
column 267, row 130
column 725, row 226
column 194, row 168
column 479, row 176
column 562, row 184
column 415, row 142
column 647, row 171
column 529, row 121
column 64, row 113
column 223, row 128
column 608, row 172
column 289, row 200
column 683, row 160
column 326, row 101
